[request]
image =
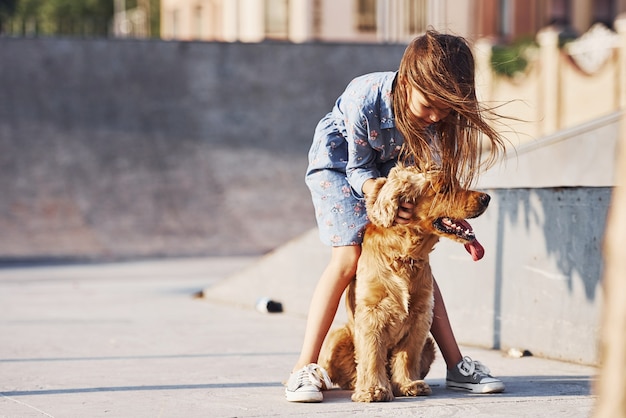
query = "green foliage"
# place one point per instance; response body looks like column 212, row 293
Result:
column 7, row 6
column 64, row 17
column 7, row 9
column 510, row 60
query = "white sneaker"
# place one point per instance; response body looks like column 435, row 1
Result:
column 306, row 384
column 473, row 376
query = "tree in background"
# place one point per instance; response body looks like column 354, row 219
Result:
column 85, row 18
column 7, row 9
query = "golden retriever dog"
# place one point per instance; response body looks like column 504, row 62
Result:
column 384, row 349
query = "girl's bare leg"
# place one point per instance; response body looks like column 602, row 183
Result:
column 479, row 381
column 340, row 271
column 442, row 331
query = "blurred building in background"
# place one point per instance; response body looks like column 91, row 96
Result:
column 376, row 20
column 546, row 59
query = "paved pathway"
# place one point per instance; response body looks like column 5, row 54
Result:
column 130, row 340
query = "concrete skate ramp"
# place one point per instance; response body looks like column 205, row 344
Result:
column 287, row 275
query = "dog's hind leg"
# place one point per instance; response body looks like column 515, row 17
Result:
column 337, row 357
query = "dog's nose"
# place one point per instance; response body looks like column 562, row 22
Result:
column 484, row 199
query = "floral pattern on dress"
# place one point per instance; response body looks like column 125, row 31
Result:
column 354, row 142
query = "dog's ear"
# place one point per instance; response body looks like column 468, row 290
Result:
column 383, row 203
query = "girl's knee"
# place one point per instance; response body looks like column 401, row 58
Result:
column 345, row 259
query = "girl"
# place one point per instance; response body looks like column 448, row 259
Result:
column 426, row 113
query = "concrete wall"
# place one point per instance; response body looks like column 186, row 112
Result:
column 560, row 88
column 147, row 148
column 538, row 288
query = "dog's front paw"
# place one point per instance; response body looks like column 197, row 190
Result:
column 373, row 394
column 414, row 388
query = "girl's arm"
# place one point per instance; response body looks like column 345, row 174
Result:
column 360, row 109
column 361, row 165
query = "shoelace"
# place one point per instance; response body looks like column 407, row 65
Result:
column 317, row 376
column 481, row 368
column 469, row 366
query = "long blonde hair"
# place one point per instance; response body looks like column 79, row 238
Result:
column 441, row 67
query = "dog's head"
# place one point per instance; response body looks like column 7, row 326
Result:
column 440, row 208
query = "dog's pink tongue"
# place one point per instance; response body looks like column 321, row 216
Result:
column 474, row 247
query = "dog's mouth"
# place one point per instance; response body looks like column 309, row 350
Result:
column 463, row 231
column 458, row 227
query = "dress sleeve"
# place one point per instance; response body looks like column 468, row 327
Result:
column 362, row 158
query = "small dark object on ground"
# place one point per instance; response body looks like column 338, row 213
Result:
column 268, row 305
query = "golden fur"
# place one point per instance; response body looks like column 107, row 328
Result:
column 384, row 349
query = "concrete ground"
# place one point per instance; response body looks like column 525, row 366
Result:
column 134, row 340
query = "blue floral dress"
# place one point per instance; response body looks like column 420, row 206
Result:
column 355, row 142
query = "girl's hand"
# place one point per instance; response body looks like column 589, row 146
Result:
column 405, row 213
